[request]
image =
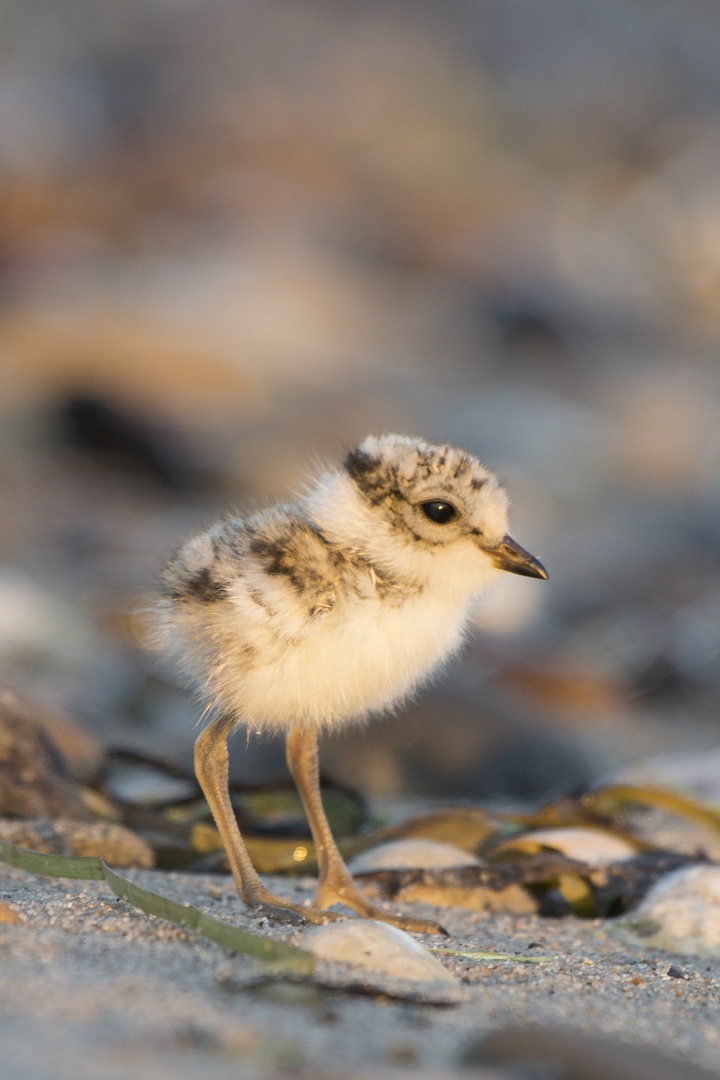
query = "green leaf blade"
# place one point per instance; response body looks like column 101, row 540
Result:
column 284, row 958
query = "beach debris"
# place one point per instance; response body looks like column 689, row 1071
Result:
column 284, row 958
column 472, row 888
column 548, row 883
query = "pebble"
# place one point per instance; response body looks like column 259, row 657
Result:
column 376, row 947
column 680, row 914
column 9, row 914
column 411, row 855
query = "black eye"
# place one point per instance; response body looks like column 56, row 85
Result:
column 439, row 511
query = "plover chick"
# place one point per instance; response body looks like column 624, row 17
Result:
column 308, row 616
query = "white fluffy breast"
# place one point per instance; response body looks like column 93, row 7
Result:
column 350, row 667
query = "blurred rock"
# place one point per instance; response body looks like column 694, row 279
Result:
column 35, row 622
column 115, row 844
column 9, row 914
column 119, row 438
column 132, row 358
column 81, row 753
column 563, row 1053
column 680, row 914
column 33, row 780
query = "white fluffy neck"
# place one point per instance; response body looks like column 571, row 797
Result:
column 461, row 569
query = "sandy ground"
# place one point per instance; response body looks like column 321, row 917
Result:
column 92, row 988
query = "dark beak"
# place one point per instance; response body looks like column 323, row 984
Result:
column 508, row 555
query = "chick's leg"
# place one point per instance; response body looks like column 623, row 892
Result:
column 336, row 886
column 211, row 769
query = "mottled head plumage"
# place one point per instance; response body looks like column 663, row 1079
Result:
column 401, row 475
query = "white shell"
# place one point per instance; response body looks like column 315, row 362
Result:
column 680, row 914
column 378, row 947
column 593, row 846
column 410, row 855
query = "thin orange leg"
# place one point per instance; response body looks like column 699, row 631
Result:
column 211, row 768
column 336, row 886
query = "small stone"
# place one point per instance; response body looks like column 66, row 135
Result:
column 376, row 947
column 9, row 914
column 411, row 855
column 680, row 914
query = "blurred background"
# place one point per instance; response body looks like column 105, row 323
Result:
column 236, row 236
